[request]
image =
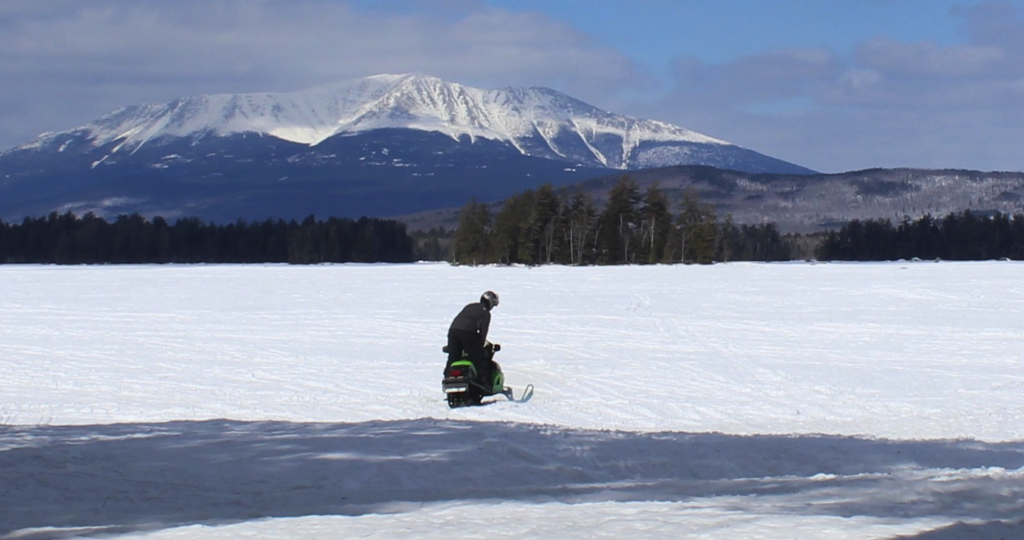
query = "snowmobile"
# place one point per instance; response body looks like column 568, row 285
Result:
column 462, row 385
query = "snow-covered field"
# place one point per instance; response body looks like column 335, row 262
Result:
column 739, row 401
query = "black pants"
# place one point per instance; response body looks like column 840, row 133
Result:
column 473, row 345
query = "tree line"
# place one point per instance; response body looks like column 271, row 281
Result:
column 539, row 226
column 634, row 227
column 69, row 239
column 959, row 236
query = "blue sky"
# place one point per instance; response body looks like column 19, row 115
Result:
column 834, row 85
column 653, row 31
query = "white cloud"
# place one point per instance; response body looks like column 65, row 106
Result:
column 68, row 66
column 926, row 59
column 889, row 104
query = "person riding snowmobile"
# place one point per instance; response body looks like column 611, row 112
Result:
column 468, row 332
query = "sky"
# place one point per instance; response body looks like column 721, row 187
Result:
column 833, row 85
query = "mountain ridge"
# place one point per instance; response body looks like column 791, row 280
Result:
column 378, row 146
column 537, row 121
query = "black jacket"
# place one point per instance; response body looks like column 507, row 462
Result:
column 472, row 318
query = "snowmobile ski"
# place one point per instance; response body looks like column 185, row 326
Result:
column 525, row 396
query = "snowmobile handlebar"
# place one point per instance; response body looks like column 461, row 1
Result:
column 496, row 347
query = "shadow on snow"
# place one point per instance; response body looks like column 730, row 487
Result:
column 110, row 479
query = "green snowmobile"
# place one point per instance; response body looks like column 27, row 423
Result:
column 463, row 387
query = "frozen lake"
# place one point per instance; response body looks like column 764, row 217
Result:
column 770, row 401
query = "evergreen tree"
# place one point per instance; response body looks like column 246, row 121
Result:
column 433, row 245
column 763, row 243
column 131, row 241
column 5, row 242
column 1015, row 243
column 61, row 229
column 471, row 238
column 160, row 249
column 698, row 231
column 579, row 224
column 507, row 234
column 538, row 232
column 618, row 224
column 728, row 235
column 303, row 243
column 656, row 224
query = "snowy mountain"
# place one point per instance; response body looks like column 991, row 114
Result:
column 535, row 121
column 382, row 145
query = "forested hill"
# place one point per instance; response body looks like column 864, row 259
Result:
column 634, row 227
column 806, row 203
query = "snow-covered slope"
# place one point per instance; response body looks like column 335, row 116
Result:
column 537, row 121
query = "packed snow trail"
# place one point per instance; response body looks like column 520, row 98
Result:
column 838, row 401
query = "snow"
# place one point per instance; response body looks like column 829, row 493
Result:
column 760, row 401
